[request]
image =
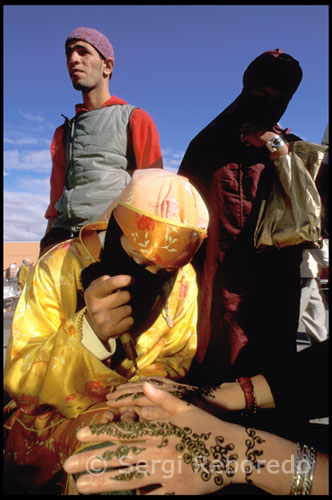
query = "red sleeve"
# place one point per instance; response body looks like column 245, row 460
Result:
column 57, row 179
column 146, row 142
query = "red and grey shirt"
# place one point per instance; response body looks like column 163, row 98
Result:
column 93, row 165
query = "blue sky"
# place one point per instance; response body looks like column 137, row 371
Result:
column 183, row 64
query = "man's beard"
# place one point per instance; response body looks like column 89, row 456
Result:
column 147, row 288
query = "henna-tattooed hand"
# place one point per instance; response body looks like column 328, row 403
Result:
column 132, row 395
column 189, row 452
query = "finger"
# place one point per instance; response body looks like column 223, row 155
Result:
column 124, row 389
column 107, row 416
column 137, row 386
column 110, row 431
column 106, row 285
column 128, row 416
column 165, row 400
column 154, row 413
column 107, row 455
column 124, row 409
column 115, row 395
column 122, row 326
column 118, row 480
column 129, row 399
column 157, row 381
column 110, row 324
column 121, row 387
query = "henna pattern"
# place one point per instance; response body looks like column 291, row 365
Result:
column 198, row 394
column 138, row 395
column 123, row 396
column 135, row 430
column 156, row 382
column 121, row 452
column 127, row 476
column 252, row 454
column 211, row 461
column 190, row 395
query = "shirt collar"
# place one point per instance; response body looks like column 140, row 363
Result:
column 79, row 108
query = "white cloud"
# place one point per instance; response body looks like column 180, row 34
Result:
column 32, row 117
column 24, row 212
column 33, row 185
column 24, row 216
column 171, row 167
column 22, row 141
column 30, row 161
column 171, row 159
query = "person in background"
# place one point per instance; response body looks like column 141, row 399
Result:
column 95, row 153
column 248, row 300
column 313, row 308
column 128, row 272
column 23, row 273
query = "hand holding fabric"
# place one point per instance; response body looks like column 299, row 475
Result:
column 107, row 310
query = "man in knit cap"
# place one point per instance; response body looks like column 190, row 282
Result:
column 95, row 153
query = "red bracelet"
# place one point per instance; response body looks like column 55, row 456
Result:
column 249, row 394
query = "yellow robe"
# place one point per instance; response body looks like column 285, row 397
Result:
column 52, row 377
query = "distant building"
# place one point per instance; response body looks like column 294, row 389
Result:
column 13, row 254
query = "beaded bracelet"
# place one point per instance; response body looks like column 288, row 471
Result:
column 304, row 470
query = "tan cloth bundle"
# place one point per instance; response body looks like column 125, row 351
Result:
column 290, row 214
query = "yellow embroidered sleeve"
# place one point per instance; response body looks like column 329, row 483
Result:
column 46, row 360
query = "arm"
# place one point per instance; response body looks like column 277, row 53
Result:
column 216, row 400
column 146, row 142
column 57, row 179
column 205, row 454
column 259, row 139
column 46, row 360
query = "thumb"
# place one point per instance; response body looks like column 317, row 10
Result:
column 164, row 400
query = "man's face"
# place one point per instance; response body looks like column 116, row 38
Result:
column 85, row 65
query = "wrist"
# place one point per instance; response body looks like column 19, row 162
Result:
column 276, row 147
column 229, row 396
column 264, row 396
column 249, row 394
column 95, row 328
column 274, row 143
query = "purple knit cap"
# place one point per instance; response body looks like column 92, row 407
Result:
column 94, row 38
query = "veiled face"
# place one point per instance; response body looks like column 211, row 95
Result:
column 264, row 105
column 141, row 260
column 269, row 93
